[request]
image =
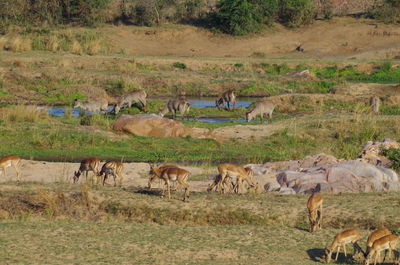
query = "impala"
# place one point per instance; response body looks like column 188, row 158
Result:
column 388, row 242
column 113, row 168
column 8, row 161
column 376, row 235
column 235, row 172
column 172, row 174
column 314, row 206
column 226, row 98
column 227, row 183
column 88, row 164
column 341, row 239
column 155, row 173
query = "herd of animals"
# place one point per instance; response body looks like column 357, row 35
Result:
column 377, row 242
column 226, row 99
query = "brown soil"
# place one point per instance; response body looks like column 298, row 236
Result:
column 339, row 38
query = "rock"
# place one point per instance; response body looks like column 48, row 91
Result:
column 156, row 126
column 286, row 191
column 371, row 153
column 271, row 186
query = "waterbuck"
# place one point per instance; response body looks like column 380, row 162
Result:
column 261, row 108
column 228, row 97
column 93, row 105
column 175, row 105
column 135, row 96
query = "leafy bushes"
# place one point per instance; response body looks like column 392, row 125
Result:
column 294, row 13
column 387, row 11
column 394, row 156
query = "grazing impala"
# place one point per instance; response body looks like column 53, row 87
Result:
column 376, row 235
column 113, row 168
column 172, row 174
column 92, row 105
column 227, row 183
column 314, row 206
column 175, row 105
column 388, row 242
column 260, row 108
column 88, row 164
column 135, row 96
column 226, row 98
column 155, row 173
column 8, row 161
column 342, row 239
column 235, row 172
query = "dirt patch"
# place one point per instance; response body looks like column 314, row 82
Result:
column 339, row 38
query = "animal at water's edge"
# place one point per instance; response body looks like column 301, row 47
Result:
column 237, row 172
column 135, row 96
column 8, row 161
column 341, row 240
column 388, row 242
column 228, row 98
column 314, row 206
column 175, row 105
column 88, row 164
column 260, row 108
column 113, row 168
column 375, row 104
column 171, row 174
column 93, row 105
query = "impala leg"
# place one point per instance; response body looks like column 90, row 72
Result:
column 169, row 190
column 5, row 172
column 120, row 179
column 18, row 171
column 344, row 248
column 320, row 217
column 337, row 253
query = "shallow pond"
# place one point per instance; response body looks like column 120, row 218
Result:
column 195, row 102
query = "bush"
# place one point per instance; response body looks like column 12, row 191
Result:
column 294, row 13
column 239, row 17
column 394, row 156
column 387, row 11
column 179, row 65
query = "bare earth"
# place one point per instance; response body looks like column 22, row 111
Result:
column 339, row 38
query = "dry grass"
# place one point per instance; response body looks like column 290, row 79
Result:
column 20, row 113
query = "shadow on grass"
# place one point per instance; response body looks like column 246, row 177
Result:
column 318, row 255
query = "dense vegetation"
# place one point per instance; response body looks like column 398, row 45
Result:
column 238, row 17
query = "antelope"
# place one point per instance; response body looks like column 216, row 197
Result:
column 376, row 235
column 314, row 206
column 175, row 105
column 113, row 168
column 88, row 164
column 235, row 172
column 174, row 174
column 155, row 173
column 388, row 242
column 261, row 108
column 135, row 96
column 8, row 161
column 342, row 239
column 375, row 103
column 92, row 105
column 226, row 98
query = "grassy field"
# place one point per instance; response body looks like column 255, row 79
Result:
column 64, row 224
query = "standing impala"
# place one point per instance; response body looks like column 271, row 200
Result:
column 235, row 172
column 171, row 174
column 376, row 235
column 8, row 161
column 113, row 168
column 314, row 206
column 88, row 164
column 341, row 239
column 388, row 242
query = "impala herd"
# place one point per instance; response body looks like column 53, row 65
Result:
column 231, row 177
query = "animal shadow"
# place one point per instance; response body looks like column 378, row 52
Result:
column 316, row 254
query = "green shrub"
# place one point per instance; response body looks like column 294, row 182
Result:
column 294, row 13
column 387, row 11
column 179, row 65
column 394, row 155
column 239, row 17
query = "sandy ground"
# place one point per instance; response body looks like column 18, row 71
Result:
column 340, row 38
column 135, row 174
